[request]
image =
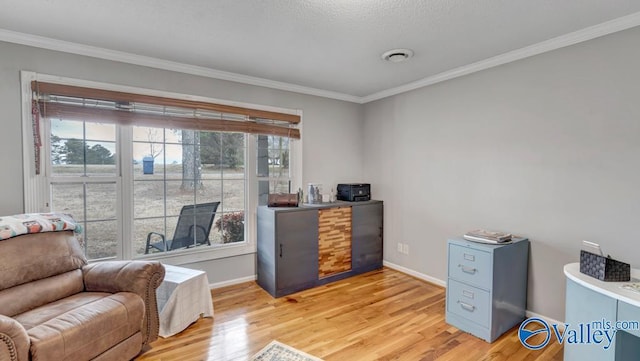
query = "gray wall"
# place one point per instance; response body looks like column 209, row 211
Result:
column 547, row 147
column 332, row 148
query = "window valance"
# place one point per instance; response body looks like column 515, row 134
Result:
column 99, row 105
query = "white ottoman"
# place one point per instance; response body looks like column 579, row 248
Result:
column 183, row 297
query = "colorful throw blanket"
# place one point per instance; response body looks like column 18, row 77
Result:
column 19, row 224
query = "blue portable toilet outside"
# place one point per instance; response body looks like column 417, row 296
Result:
column 147, row 165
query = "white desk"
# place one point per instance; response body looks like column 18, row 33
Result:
column 591, row 302
column 611, row 289
column 183, row 296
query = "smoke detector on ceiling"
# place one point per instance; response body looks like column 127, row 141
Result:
column 397, row 55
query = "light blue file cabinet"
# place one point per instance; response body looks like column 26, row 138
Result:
column 486, row 286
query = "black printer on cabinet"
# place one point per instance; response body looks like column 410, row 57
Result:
column 354, row 192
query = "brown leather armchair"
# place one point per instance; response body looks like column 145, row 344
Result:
column 53, row 306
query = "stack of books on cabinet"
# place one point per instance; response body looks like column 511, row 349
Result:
column 484, row 236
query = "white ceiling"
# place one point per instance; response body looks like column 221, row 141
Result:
column 332, row 47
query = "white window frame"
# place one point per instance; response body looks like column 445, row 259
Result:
column 36, row 187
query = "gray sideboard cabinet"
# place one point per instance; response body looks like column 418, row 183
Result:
column 486, row 286
column 288, row 245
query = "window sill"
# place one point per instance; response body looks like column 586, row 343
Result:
column 200, row 254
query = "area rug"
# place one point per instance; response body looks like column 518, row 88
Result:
column 276, row 351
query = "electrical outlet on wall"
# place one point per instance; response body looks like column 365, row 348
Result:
column 403, row 248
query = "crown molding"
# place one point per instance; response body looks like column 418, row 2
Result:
column 102, row 53
column 592, row 32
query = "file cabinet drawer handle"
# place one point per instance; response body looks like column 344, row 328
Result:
column 467, row 306
column 466, row 269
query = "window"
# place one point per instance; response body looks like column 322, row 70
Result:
column 174, row 168
column 84, row 181
column 273, row 166
column 133, row 168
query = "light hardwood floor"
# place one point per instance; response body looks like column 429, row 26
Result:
column 381, row 315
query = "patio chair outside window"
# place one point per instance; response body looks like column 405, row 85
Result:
column 193, row 228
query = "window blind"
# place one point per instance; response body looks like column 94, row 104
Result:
column 59, row 101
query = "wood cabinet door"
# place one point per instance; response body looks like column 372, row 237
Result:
column 367, row 239
column 334, row 241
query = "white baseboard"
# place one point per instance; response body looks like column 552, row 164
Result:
column 232, row 282
column 442, row 283
column 415, row 274
column 549, row 320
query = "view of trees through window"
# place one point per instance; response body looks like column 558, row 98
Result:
column 84, row 181
column 74, row 151
column 177, row 168
column 273, row 166
column 170, row 169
